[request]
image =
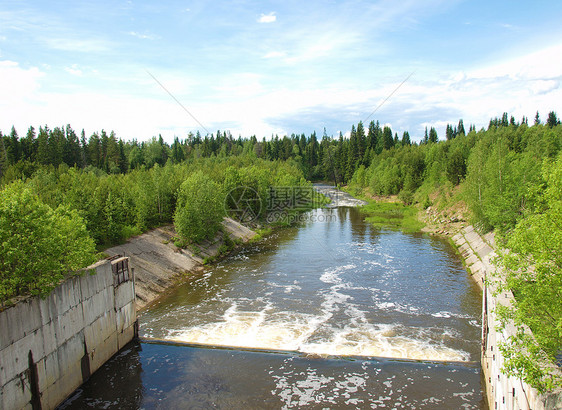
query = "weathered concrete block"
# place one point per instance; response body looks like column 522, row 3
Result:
column 477, row 267
column 92, row 284
column 14, row 359
column 103, row 272
column 126, row 336
column 97, row 305
column 464, row 248
column 68, row 324
column 103, row 352
column 458, row 238
column 124, row 294
column 471, row 260
column 48, row 371
column 126, row 316
column 15, row 394
column 66, row 296
column 484, row 251
column 71, row 351
column 100, row 330
column 57, row 392
column 21, row 319
column 49, row 338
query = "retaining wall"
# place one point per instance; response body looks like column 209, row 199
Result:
column 503, row 392
column 49, row 347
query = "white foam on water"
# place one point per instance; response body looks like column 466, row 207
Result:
column 383, row 341
column 332, row 275
column 294, row 331
column 314, row 333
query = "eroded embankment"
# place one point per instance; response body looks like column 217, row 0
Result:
column 158, row 263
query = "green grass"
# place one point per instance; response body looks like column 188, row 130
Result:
column 393, row 216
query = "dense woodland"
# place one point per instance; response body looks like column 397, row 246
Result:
column 100, row 190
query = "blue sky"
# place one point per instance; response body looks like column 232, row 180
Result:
column 276, row 67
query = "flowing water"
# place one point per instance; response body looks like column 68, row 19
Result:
column 307, row 318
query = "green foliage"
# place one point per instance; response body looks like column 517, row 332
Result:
column 38, row 246
column 200, row 208
column 533, row 272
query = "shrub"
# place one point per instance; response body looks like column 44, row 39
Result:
column 200, row 208
column 38, row 246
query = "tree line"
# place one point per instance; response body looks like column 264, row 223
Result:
column 325, row 158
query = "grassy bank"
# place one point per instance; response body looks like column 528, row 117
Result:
column 392, row 215
column 388, row 215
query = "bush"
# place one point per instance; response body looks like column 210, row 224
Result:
column 38, row 246
column 200, row 208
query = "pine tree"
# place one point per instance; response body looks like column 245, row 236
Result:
column 372, row 135
column 361, row 142
column 29, row 145
column 460, row 128
column 552, row 120
column 449, row 134
column 537, row 119
column 433, row 135
column 13, row 149
column 43, row 146
column 406, row 139
column 387, row 140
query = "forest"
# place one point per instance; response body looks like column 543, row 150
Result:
column 67, row 195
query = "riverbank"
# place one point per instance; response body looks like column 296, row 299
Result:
column 159, row 264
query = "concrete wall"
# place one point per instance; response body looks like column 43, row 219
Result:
column 49, row 347
column 503, row 392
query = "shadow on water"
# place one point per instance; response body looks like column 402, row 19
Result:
column 165, row 376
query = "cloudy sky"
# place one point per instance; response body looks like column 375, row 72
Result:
column 276, row 67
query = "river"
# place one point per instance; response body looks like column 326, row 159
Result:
column 329, row 314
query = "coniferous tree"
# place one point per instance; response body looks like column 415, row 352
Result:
column 29, row 145
column 433, row 135
column 94, row 151
column 460, row 128
column 552, row 120
column 83, row 149
column 537, row 119
column 387, row 140
column 361, row 142
column 13, row 149
column 449, row 134
column 43, row 146
column 373, row 135
column 406, row 139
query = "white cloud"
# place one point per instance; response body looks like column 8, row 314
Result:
column 275, row 54
column 16, row 82
column 142, row 36
column 74, row 70
column 76, row 44
column 268, row 18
